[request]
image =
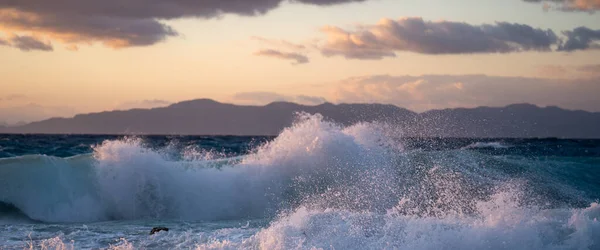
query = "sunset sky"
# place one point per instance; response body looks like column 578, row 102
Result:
column 65, row 57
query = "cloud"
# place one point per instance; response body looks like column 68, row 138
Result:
column 553, row 71
column 118, row 23
column 422, row 93
column 303, row 99
column 569, row 5
column 72, row 47
column 574, row 72
column 580, row 39
column 360, row 45
column 261, row 98
column 26, row 43
column 72, row 29
column 283, row 44
column 444, row 37
column 384, row 39
column 298, row 58
column 33, row 112
column 592, row 68
column 143, row 104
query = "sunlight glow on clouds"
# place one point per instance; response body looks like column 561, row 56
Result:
column 416, row 35
column 569, row 5
column 420, row 93
column 119, row 24
column 446, row 37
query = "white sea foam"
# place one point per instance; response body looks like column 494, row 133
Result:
column 326, row 186
column 124, row 180
column 500, row 224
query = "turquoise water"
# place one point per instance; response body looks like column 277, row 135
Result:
column 316, row 185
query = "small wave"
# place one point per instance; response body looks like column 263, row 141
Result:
column 492, row 145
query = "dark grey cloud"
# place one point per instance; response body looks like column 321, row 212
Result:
column 118, row 23
column 26, row 43
column 162, row 9
column 569, row 5
column 580, row 39
column 261, row 98
column 298, row 58
column 426, row 37
column 427, row 92
column 416, row 35
column 522, row 37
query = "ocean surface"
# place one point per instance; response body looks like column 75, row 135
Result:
column 316, row 185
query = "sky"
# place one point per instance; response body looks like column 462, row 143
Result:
column 60, row 58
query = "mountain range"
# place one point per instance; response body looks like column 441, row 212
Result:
column 208, row 117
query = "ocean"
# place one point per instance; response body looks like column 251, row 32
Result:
column 316, row 185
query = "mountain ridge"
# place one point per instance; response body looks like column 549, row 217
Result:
column 209, row 117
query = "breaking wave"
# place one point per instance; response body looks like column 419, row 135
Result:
column 123, row 180
column 323, row 185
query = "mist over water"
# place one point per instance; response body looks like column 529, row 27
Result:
column 316, row 185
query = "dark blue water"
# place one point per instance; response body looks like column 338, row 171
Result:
column 12, row 145
column 317, row 185
column 70, row 145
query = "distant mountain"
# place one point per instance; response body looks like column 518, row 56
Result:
column 517, row 120
column 208, row 117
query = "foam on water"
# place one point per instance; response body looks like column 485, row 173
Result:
column 498, row 226
column 322, row 186
column 124, row 180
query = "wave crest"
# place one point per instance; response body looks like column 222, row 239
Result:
column 122, row 179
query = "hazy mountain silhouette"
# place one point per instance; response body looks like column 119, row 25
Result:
column 517, row 120
column 208, row 117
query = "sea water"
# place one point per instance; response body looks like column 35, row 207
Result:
column 316, row 185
